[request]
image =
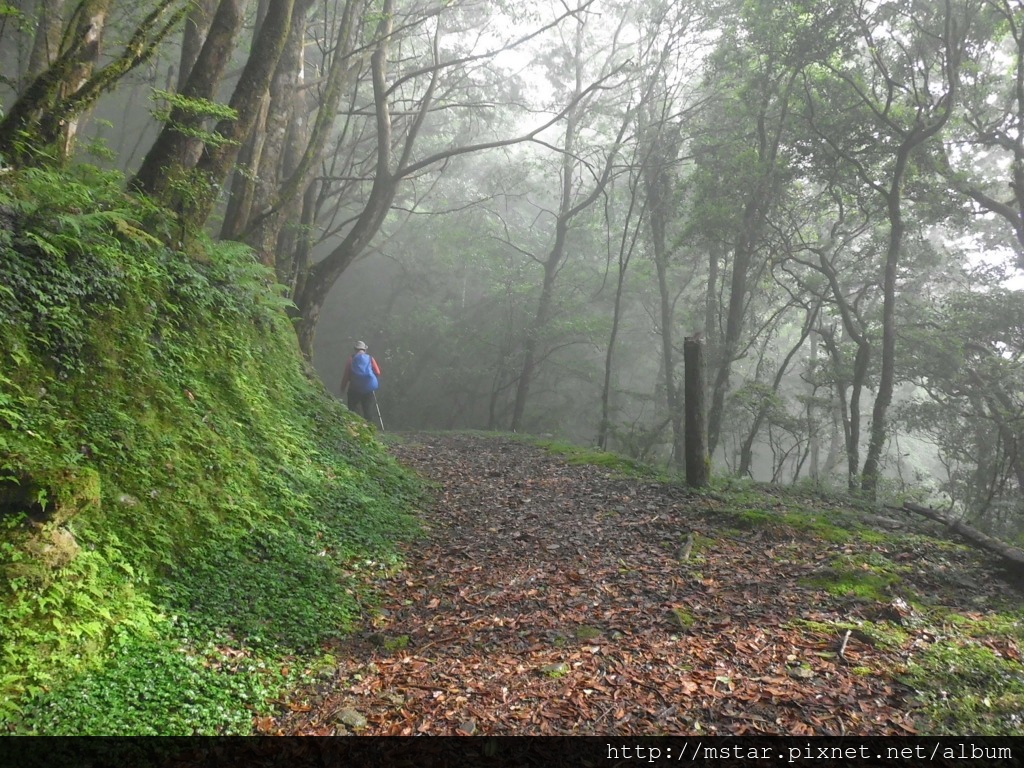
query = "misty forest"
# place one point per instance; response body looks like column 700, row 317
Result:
column 700, row 328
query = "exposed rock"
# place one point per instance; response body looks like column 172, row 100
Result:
column 48, row 500
column 351, row 718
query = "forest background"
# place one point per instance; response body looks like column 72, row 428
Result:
column 525, row 209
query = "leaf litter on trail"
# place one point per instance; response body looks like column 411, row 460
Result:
column 548, row 598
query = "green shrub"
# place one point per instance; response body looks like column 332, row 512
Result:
column 268, row 589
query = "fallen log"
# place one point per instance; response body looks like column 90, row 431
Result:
column 1010, row 555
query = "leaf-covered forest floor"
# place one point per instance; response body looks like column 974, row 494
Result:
column 555, row 597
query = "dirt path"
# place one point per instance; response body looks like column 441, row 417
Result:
column 550, row 598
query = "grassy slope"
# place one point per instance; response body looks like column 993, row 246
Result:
column 201, row 508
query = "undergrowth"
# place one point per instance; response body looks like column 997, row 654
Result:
column 171, row 474
column 575, row 454
column 965, row 687
column 158, row 688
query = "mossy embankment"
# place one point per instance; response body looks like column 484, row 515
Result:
column 184, row 510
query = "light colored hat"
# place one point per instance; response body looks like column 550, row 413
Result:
column 361, row 345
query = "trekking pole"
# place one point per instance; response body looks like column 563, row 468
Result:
column 378, row 412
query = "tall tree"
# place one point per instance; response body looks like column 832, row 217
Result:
column 755, row 72
column 666, row 39
column 624, row 248
column 167, row 160
column 397, row 153
column 908, row 85
column 575, row 196
column 45, row 114
column 983, row 157
column 967, row 359
column 46, row 40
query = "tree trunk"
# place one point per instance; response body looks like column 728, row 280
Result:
column 557, row 252
column 672, row 402
column 698, row 462
column 932, row 112
column 625, row 254
column 886, row 381
column 240, row 203
column 168, row 155
column 42, row 108
column 742, row 259
column 813, row 428
column 197, row 26
column 568, row 208
column 540, row 321
column 711, row 307
column 246, row 101
column 90, row 26
column 47, row 111
column 46, row 43
column 658, row 188
column 849, row 409
column 315, row 283
column 746, row 450
column 606, row 389
column 1010, row 555
column 268, row 156
column 303, row 248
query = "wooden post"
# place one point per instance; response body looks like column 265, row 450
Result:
column 698, row 463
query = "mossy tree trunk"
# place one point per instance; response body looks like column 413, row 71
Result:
column 43, row 119
column 169, row 152
column 167, row 171
column 46, row 42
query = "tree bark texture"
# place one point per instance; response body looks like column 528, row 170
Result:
column 771, row 119
column 47, row 110
column 552, row 263
column 42, row 108
column 46, row 42
column 247, row 99
column 168, row 155
column 316, row 282
column 197, row 25
column 658, row 189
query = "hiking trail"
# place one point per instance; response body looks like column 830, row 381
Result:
column 553, row 598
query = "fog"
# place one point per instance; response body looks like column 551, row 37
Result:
column 525, row 212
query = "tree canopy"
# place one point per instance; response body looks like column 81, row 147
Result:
column 526, row 209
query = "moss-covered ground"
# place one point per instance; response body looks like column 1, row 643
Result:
column 186, row 515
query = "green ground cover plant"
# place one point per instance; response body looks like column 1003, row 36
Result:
column 172, row 476
column 576, row 454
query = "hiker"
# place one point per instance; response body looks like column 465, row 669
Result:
column 361, row 372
